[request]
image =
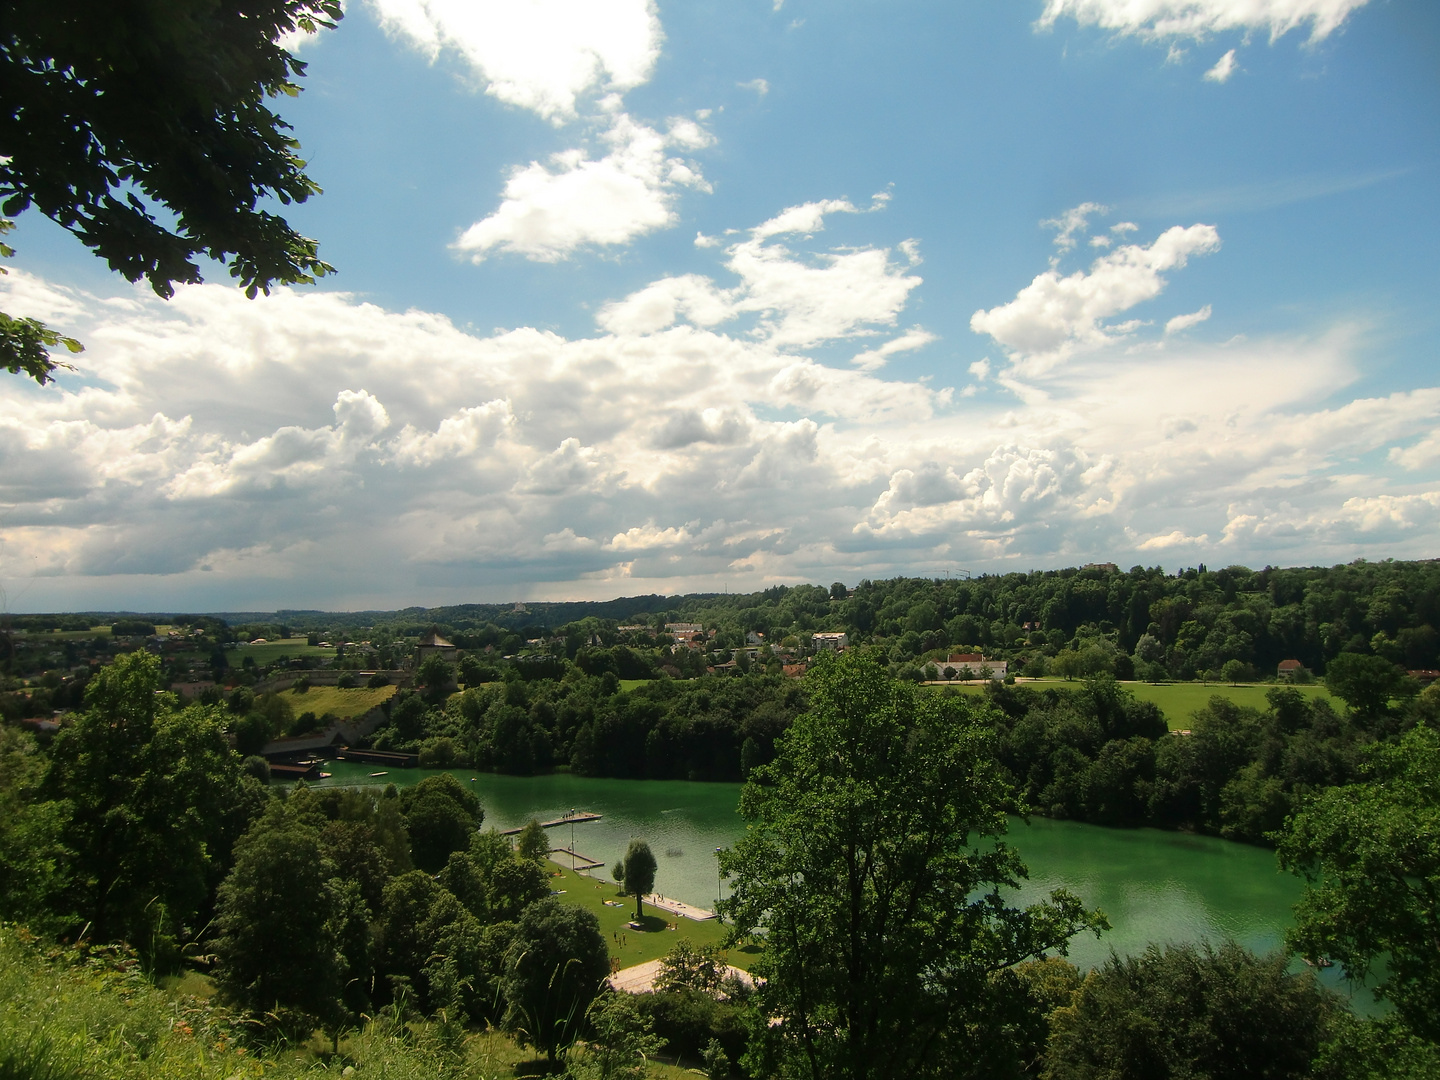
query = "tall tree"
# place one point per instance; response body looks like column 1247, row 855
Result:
column 872, row 865
column 558, row 959
column 280, row 921
column 1370, row 855
column 116, row 110
column 640, row 869
column 158, row 798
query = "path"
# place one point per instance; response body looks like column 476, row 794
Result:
column 640, row 979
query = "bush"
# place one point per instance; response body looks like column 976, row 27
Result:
column 377, row 680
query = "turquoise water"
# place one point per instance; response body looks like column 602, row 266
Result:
column 1154, row 885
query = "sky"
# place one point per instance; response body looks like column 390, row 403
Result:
column 644, row 296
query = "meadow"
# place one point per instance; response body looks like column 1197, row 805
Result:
column 271, row 651
column 1178, row 701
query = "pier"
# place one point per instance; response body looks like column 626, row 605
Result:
column 573, row 819
column 580, row 862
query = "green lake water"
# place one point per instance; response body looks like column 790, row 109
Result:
column 1154, row 885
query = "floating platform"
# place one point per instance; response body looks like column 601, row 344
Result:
column 573, row 819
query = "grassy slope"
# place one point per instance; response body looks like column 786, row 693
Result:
column 343, row 703
column 1178, row 701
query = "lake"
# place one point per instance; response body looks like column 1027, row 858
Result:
column 1153, row 885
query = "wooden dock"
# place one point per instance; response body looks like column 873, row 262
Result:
column 578, row 861
column 573, row 819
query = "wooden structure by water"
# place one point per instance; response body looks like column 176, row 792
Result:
column 578, row 861
column 380, row 757
column 573, row 819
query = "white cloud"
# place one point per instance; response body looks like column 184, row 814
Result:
column 1054, row 316
column 1184, row 322
column 1223, row 69
column 1173, row 539
column 1072, row 221
column 540, row 55
column 981, row 369
column 874, row 359
column 1199, row 18
column 308, row 449
column 798, row 302
column 760, row 86
column 573, row 201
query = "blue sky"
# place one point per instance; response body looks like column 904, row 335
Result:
column 639, row 296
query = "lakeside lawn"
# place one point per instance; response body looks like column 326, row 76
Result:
column 640, row 945
column 1178, row 701
column 344, row 703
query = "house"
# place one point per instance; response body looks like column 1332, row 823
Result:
column 977, row 664
column 432, row 644
column 830, row 642
column 1104, row 567
column 1288, row 669
column 753, row 638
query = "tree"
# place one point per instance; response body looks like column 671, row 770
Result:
column 639, row 872
column 114, row 111
column 157, row 799
column 441, row 815
column 1367, row 683
column 1191, row 1011
column 1232, row 671
column 872, row 865
column 533, row 844
column 1370, row 855
column 621, row 1041
column 558, row 960
column 278, row 917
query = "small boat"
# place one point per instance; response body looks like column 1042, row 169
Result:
column 379, row 774
column 324, row 776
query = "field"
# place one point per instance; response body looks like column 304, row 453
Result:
column 273, row 650
column 1178, row 701
column 342, row 703
column 639, row 945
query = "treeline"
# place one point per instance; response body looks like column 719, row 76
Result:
column 671, row 729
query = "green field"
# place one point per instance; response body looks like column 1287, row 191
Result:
column 273, row 650
column 639, row 945
column 342, row 703
column 1178, row 701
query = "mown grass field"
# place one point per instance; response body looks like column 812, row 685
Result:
column 273, row 650
column 1178, row 701
column 356, row 701
column 631, row 947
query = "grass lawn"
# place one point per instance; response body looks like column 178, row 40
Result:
column 634, row 684
column 640, row 945
column 1178, row 701
column 273, row 650
column 343, row 703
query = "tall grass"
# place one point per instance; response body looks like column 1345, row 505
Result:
column 69, row 1014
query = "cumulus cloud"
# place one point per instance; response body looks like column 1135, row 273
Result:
column 310, row 449
column 760, row 86
column 1198, row 19
column 540, row 55
column 1223, row 69
column 1054, row 316
column 798, row 301
column 573, row 201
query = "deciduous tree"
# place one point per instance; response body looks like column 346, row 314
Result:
column 872, row 865
column 117, row 111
